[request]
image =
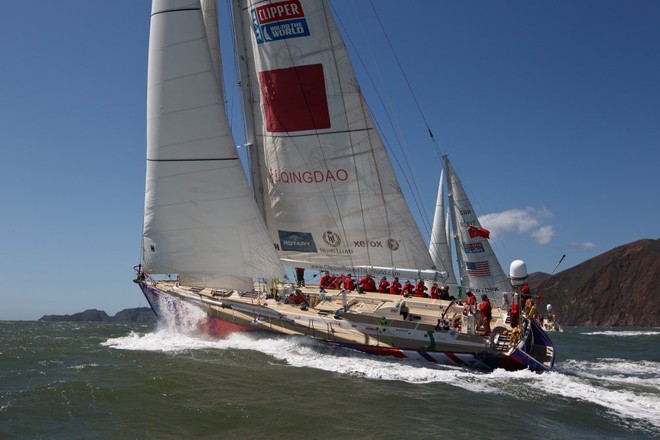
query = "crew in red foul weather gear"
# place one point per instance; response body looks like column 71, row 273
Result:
column 395, row 288
column 384, row 285
column 367, row 283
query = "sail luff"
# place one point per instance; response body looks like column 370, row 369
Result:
column 201, row 221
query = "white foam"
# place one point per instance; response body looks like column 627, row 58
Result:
column 625, row 403
column 624, row 333
column 626, row 389
column 304, row 352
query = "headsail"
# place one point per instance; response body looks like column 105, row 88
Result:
column 331, row 195
column 480, row 271
column 200, row 218
column 439, row 247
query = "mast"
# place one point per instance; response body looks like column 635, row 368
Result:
column 254, row 158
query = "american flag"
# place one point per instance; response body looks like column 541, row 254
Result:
column 478, row 269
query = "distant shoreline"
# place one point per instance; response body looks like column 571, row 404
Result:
column 139, row 314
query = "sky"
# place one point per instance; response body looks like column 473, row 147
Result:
column 549, row 111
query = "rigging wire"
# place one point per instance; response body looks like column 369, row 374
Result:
column 404, row 164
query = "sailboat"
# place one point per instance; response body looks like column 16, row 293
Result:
column 322, row 196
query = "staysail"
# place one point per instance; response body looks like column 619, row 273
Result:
column 480, row 271
column 439, row 247
column 200, row 221
column 330, row 193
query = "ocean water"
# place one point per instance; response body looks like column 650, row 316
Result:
column 62, row 380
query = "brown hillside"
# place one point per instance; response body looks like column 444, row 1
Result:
column 617, row 288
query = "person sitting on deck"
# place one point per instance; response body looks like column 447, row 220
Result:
column 384, row 285
column 325, row 280
column 349, row 283
column 395, row 288
column 407, row 289
column 367, row 283
column 486, row 313
column 444, row 293
column 297, row 297
column 435, row 290
column 420, row 289
column 337, row 282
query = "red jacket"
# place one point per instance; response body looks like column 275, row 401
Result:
column 349, row 284
column 395, row 289
column 435, row 292
column 368, row 284
column 325, row 281
column 407, row 289
column 420, row 288
column 384, row 286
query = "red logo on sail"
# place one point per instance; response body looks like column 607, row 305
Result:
column 295, row 98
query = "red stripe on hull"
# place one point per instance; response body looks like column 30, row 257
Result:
column 221, row 328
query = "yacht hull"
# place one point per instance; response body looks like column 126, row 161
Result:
column 367, row 332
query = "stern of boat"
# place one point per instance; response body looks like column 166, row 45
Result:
column 535, row 350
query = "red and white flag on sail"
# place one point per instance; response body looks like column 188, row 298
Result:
column 475, row 232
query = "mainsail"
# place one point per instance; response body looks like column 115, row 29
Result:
column 479, row 268
column 201, row 220
column 330, row 193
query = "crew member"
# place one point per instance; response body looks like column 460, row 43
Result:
column 486, row 313
column 435, row 290
column 407, row 289
column 384, row 285
column 367, row 283
column 325, row 280
column 420, row 289
column 300, row 276
column 395, row 288
column 349, row 283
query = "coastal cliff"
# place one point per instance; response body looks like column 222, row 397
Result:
column 617, row 288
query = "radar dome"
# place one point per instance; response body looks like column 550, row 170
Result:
column 518, row 272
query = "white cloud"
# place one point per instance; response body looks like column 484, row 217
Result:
column 544, row 234
column 519, row 221
column 583, row 245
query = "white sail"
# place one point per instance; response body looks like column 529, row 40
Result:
column 439, row 247
column 480, row 271
column 200, row 219
column 331, row 193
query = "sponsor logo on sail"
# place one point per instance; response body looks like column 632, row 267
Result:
column 331, row 238
column 473, row 248
column 279, row 21
column 297, row 241
column 308, row 176
column 391, row 244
